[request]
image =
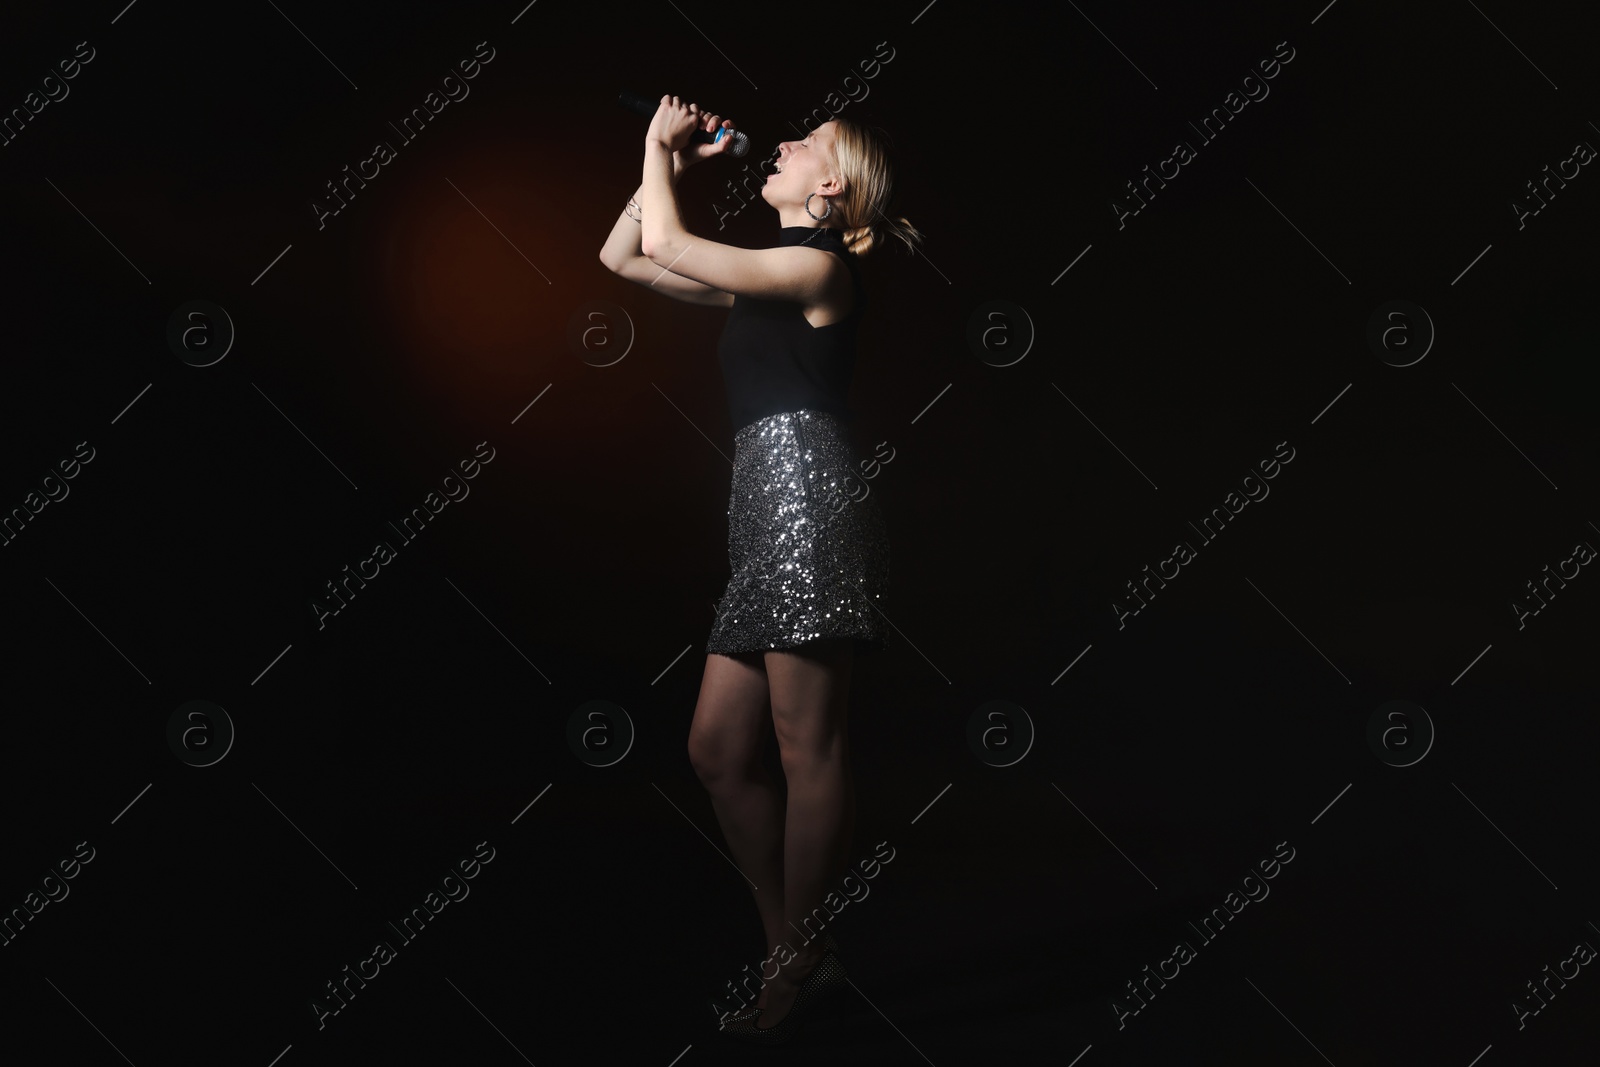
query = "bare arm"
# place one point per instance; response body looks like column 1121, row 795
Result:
column 809, row 276
column 623, row 254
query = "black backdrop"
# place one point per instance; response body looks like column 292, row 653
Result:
column 1071, row 379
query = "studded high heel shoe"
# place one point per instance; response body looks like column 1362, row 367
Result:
column 727, row 1010
column 825, row 978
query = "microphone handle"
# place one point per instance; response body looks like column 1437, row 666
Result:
column 647, row 108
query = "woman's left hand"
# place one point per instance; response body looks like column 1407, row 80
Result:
column 673, row 122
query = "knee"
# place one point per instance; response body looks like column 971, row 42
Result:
column 715, row 761
column 809, row 758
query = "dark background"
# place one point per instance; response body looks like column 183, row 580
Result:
column 1178, row 351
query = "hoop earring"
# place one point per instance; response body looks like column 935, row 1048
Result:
column 825, row 214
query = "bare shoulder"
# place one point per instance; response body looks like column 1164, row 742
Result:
column 837, row 300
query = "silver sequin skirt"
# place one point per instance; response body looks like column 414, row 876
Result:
column 809, row 560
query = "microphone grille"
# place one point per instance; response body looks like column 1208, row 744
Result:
column 741, row 143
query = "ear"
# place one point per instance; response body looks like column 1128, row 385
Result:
column 830, row 186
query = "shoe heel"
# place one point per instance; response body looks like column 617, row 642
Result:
column 825, row 979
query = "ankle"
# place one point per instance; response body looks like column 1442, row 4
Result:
column 800, row 965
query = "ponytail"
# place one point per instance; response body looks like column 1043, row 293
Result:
column 863, row 239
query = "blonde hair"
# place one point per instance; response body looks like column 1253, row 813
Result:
column 862, row 155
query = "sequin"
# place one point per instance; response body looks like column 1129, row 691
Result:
column 808, row 562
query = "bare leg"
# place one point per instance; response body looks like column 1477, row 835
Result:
column 730, row 723
column 810, row 692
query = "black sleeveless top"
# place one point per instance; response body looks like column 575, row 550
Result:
column 773, row 360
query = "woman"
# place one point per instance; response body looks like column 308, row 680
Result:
column 810, row 563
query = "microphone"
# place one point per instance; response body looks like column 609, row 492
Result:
column 648, row 108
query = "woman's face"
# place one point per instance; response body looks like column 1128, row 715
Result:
column 801, row 167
